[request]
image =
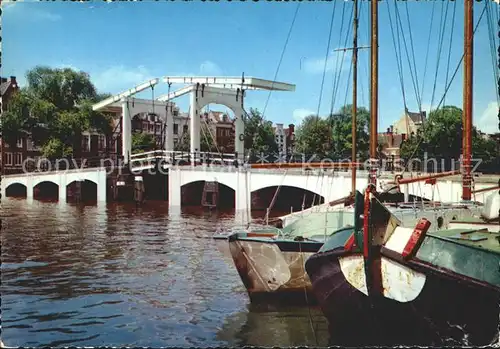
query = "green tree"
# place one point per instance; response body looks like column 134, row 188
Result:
column 17, row 119
column 341, row 134
column 332, row 136
column 313, row 136
column 441, row 137
column 259, row 134
column 142, row 142
column 54, row 148
column 56, row 104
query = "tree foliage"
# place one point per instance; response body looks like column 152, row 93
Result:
column 54, row 148
column 142, row 142
column 55, row 105
column 207, row 143
column 441, row 137
column 332, row 136
column 313, row 136
column 259, row 134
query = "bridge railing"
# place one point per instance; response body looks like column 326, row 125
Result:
column 180, row 158
column 33, row 165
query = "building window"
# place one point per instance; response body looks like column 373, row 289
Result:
column 176, row 129
column 102, row 142
column 18, row 158
column 85, row 143
column 19, row 143
column 8, row 159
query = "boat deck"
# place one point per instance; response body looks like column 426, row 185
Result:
column 478, row 238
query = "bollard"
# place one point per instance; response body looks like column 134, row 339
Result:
column 138, row 189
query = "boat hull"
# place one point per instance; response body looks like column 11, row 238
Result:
column 274, row 270
column 462, row 313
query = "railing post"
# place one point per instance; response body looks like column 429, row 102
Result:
column 235, row 162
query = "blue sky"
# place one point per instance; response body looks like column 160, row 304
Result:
column 122, row 44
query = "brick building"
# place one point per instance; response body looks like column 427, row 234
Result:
column 221, row 128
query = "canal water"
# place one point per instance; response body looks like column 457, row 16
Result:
column 121, row 275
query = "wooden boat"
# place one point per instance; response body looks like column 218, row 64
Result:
column 383, row 284
column 488, row 219
column 386, row 284
column 271, row 261
column 272, row 264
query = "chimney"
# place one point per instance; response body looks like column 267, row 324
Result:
column 390, row 138
column 291, row 127
column 13, row 82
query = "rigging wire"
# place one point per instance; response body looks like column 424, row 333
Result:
column 400, row 62
column 491, row 36
column 446, row 90
column 337, row 60
column 460, row 62
column 339, row 70
column 427, row 51
column 451, row 40
column 279, row 65
column 347, row 85
column 339, row 65
column 440, row 46
column 413, row 77
column 326, row 58
column 335, row 74
column 363, row 100
column 401, row 79
column 419, row 96
column 262, row 116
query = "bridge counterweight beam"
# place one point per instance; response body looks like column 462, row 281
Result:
column 239, row 130
column 126, row 132
column 195, row 124
column 169, row 134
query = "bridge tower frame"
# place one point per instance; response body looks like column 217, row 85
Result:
column 228, row 91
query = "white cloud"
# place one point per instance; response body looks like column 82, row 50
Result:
column 31, row 12
column 301, row 113
column 336, row 60
column 210, row 68
column 118, row 78
column 488, row 121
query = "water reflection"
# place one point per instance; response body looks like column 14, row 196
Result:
column 125, row 275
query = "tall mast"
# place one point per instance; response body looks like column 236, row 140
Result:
column 354, row 94
column 374, row 91
column 467, row 102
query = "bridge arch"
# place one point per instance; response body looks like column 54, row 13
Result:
column 326, row 186
column 82, row 190
column 287, row 198
column 222, row 178
column 45, row 189
column 192, row 194
column 16, row 189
